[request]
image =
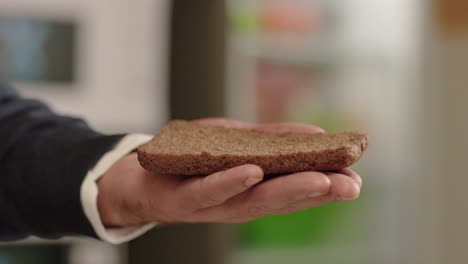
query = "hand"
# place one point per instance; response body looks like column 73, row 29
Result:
column 130, row 195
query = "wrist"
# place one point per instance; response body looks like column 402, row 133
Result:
column 109, row 212
column 113, row 204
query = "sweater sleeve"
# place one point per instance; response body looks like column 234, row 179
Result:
column 44, row 158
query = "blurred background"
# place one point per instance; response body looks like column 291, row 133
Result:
column 395, row 68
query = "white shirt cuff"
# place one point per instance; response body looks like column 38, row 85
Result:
column 89, row 192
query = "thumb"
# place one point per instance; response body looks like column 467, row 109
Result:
column 218, row 187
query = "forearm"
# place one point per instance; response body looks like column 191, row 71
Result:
column 44, row 158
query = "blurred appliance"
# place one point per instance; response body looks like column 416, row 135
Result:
column 111, row 61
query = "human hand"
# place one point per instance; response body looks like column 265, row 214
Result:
column 130, row 195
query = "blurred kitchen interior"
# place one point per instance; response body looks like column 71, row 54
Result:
column 395, row 68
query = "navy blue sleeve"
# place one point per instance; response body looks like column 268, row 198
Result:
column 44, row 158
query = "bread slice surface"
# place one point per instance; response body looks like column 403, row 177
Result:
column 188, row 148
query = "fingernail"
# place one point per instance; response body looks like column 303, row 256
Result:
column 357, row 189
column 359, row 182
column 251, row 181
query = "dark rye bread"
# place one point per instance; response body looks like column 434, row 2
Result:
column 187, row 148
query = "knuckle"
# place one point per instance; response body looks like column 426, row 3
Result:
column 195, row 197
column 205, row 196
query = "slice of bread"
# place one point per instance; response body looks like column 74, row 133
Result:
column 188, row 148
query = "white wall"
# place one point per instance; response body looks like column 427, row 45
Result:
column 122, row 61
column 389, row 32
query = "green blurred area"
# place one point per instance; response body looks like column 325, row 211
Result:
column 330, row 223
column 243, row 20
column 327, row 224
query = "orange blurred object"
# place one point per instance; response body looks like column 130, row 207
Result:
column 288, row 18
column 452, row 15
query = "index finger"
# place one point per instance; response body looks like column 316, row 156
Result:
column 282, row 127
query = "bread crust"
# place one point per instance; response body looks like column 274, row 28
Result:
column 204, row 162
